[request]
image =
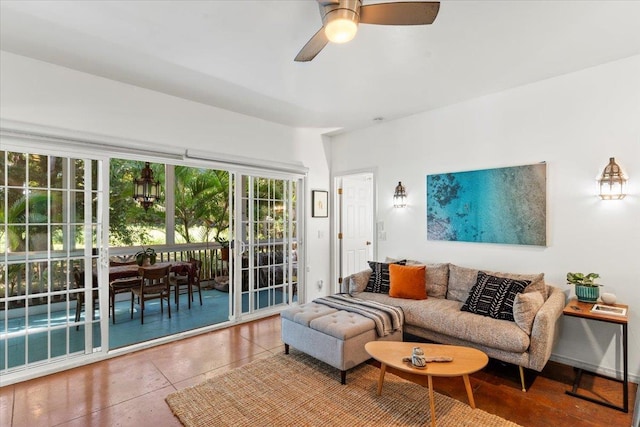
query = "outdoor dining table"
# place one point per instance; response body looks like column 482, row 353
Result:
column 131, row 270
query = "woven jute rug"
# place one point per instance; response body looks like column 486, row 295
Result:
column 297, row 390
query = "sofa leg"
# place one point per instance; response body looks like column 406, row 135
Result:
column 286, row 349
column 524, row 388
column 343, row 377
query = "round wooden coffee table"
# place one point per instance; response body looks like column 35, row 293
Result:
column 465, row 361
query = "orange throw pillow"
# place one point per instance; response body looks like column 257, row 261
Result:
column 407, row 281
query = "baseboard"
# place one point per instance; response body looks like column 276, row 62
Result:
column 594, row 368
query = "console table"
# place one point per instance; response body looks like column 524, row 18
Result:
column 576, row 308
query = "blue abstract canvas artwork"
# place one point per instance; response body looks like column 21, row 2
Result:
column 502, row 205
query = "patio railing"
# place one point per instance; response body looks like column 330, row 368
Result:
column 48, row 281
column 215, row 258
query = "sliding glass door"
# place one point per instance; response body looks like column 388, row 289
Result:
column 61, row 207
column 267, row 256
column 51, row 246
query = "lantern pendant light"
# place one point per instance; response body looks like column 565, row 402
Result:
column 146, row 191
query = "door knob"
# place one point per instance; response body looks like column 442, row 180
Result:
column 368, row 243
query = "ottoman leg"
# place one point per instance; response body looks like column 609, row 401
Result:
column 286, row 349
column 343, row 377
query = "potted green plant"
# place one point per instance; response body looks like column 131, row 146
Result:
column 224, row 248
column 146, row 256
column 587, row 290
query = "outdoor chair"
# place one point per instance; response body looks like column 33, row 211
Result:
column 197, row 276
column 187, row 279
column 155, row 283
column 78, row 277
column 120, row 286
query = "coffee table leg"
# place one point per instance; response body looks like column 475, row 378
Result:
column 383, row 369
column 432, row 402
column 467, row 385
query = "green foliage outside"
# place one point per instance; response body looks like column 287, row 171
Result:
column 130, row 224
column 201, row 206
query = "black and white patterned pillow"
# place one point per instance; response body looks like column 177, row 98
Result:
column 493, row 296
column 379, row 281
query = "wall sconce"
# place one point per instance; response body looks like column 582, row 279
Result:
column 400, row 196
column 146, row 191
column 612, row 182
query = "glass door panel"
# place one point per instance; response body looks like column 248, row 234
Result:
column 49, row 233
column 267, row 232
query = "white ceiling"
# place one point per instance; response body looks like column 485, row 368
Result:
column 238, row 55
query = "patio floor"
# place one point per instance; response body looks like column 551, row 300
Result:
column 126, row 331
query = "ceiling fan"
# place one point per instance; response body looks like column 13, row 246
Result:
column 340, row 19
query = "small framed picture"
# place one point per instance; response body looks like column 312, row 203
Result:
column 319, row 204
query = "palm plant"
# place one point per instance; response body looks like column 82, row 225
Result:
column 201, row 200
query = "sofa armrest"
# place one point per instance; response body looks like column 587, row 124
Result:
column 356, row 282
column 544, row 333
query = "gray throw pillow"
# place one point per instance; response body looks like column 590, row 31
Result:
column 525, row 308
column 461, row 280
column 358, row 281
column 537, row 281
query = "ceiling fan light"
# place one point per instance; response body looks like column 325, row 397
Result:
column 341, row 25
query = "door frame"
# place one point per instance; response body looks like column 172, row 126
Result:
column 336, row 247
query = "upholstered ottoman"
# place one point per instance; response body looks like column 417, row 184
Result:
column 336, row 337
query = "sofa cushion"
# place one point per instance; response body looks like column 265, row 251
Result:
column 525, row 308
column 436, row 277
column 461, row 280
column 537, row 281
column 538, row 285
column 444, row 317
column 493, row 296
column 437, row 280
column 379, row 279
column 358, row 281
column 407, row 281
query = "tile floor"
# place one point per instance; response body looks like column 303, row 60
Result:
column 130, row 390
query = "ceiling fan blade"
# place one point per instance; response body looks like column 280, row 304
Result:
column 313, row 47
column 403, row 13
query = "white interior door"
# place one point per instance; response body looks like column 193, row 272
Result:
column 356, row 223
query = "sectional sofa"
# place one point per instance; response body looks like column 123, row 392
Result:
column 460, row 309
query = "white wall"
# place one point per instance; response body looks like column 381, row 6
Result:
column 316, row 158
column 574, row 123
column 43, row 94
